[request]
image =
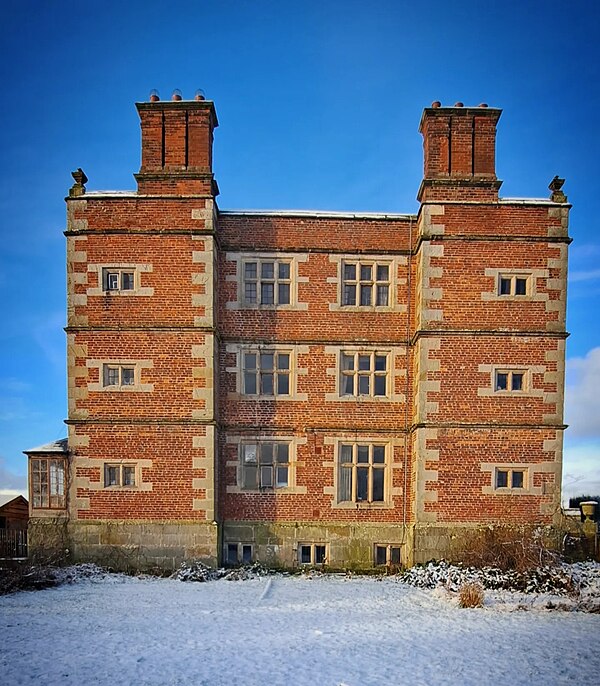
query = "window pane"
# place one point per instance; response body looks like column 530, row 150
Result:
column 111, row 476
column 347, row 362
column 127, row 376
column 366, row 271
column 266, row 477
column 362, row 453
column 382, row 295
column 504, row 286
column 380, row 363
column 127, row 281
column 284, row 293
column 250, row 383
column 246, row 554
column 112, row 281
column 378, row 454
column 250, row 454
column 520, row 286
column 267, row 270
column 349, row 297
column 319, row 554
column 266, row 453
column 345, row 484
column 250, row 476
column 249, row 361
column 517, row 479
column 364, row 384
column 266, row 384
column 501, row 478
column 362, row 483
column 365, row 295
column 283, row 452
column 129, row 476
column 349, row 272
column 378, row 480
column 345, row 453
column 305, row 554
column 283, row 361
column 266, row 361
column 284, row 270
column 283, row 384
column 347, row 385
column 250, row 292
column 380, row 555
column 395, row 556
column 282, row 476
column 250, row 270
column 501, row 381
column 383, row 272
column 267, row 293
column 232, row 553
column 517, row 381
column 364, row 362
column 380, row 384
column 111, row 376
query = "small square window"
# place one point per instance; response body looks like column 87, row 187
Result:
column 119, row 475
column 512, row 285
column 510, row 380
column 312, row 554
column 509, row 478
column 118, row 375
column 115, row 279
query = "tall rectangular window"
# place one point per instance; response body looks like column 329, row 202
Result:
column 267, row 282
column 266, row 373
column 48, row 483
column 364, row 374
column 365, row 284
column 361, row 473
column 265, row 465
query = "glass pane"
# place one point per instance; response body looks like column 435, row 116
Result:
column 250, row 292
column 380, row 385
column 366, row 271
column 249, row 361
column 266, row 383
column 380, row 555
column 266, row 361
column 111, row 476
column 365, row 295
column 347, row 385
column 347, row 362
column 282, row 476
column 395, row 556
column 362, row 453
column 250, row 383
column 501, row 478
column 112, row 281
column 345, row 453
column 378, row 479
column 284, row 270
column 517, row 479
column 246, row 554
column 283, row 384
column 283, row 452
column 129, row 476
column 501, row 381
column 380, row 363
column 305, row 554
column 267, row 270
column 383, row 272
column 283, row 361
column 345, row 484
column 127, row 376
column 364, row 362
column 111, row 376
column 127, row 281
column 266, row 477
column 349, row 272
column 521, row 287
column 504, row 286
column 250, row 453
column 267, row 293
column 364, row 384
column 250, row 270
column 232, row 553
column 284, row 293
column 378, row 454
column 319, row 554
column 266, row 453
column 349, row 297
column 382, row 295
column 250, row 476
column 362, row 483
column 517, row 382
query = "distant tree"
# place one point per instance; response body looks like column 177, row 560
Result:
column 574, row 502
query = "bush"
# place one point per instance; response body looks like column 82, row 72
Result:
column 470, row 595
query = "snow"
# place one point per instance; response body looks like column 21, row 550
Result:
column 290, row 630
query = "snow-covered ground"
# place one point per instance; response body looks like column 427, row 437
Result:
column 325, row 630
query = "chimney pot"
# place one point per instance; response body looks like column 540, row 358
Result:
column 154, row 96
column 459, row 104
column 176, row 95
column 436, row 103
column 199, row 95
column 483, row 104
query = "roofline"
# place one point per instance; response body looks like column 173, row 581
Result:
column 317, row 213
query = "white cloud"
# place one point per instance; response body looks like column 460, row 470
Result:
column 582, row 275
column 582, row 395
column 581, row 469
column 10, row 482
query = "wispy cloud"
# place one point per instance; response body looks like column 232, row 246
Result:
column 10, row 481
column 582, row 396
column 589, row 275
column 581, row 472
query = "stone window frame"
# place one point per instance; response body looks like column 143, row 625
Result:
column 511, row 375
column 372, row 374
column 56, row 497
column 293, row 463
column 370, row 284
column 531, row 275
column 138, row 367
column 390, row 550
column 121, row 465
column 102, row 271
column 260, row 373
column 294, row 351
column 275, row 464
column 318, row 553
column 393, row 261
column 240, row 554
column 528, row 390
column 510, row 471
column 530, row 469
column 242, row 258
column 513, row 280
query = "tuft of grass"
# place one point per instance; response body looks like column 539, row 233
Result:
column 470, row 595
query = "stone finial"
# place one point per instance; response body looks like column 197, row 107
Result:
column 78, row 188
column 556, row 187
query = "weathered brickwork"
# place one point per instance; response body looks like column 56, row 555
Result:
column 309, row 387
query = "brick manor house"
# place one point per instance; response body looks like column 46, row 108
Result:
column 299, row 387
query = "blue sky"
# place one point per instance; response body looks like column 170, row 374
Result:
column 319, row 105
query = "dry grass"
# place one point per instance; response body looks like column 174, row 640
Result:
column 470, row 595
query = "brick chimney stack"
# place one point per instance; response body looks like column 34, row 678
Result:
column 177, row 140
column 459, row 145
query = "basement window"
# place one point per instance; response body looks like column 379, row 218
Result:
column 312, row 554
column 387, row 555
column 238, row 553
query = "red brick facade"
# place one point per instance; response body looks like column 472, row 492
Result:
column 295, row 385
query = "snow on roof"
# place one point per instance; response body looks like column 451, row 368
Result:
column 6, row 498
column 318, row 213
column 60, row 446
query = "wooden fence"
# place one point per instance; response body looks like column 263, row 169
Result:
column 13, row 543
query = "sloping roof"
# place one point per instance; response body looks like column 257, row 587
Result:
column 6, row 499
column 60, row 446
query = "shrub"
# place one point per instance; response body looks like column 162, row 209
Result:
column 470, row 595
